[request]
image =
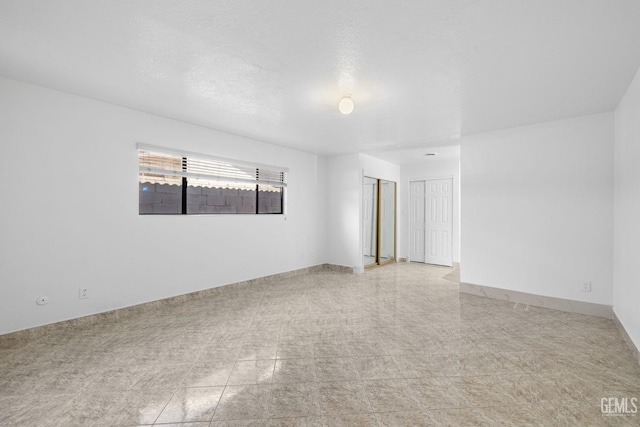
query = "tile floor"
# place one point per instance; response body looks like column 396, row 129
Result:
column 397, row 346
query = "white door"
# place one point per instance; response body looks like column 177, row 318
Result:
column 439, row 228
column 417, row 220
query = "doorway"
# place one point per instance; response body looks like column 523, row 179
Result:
column 378, row 221
column 430, row 221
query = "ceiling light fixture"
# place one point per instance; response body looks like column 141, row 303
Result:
column 346, row 104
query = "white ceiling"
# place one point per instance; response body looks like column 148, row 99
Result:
column 421, row 73
column 407, row 156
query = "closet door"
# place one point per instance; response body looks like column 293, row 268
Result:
column 378, row 221
column 387, row 222
column 369, row 221
column 439, row 228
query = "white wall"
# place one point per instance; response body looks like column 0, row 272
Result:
column 425, row 168
column 626, row 289
column 377, row 168
column 344, row 204
column 342, row 208
column 537, row 208
column 71, row 236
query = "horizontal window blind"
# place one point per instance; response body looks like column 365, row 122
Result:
column 165, row 161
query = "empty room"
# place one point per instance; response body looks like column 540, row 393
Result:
column 330, row 213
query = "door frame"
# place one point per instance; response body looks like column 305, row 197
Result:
column 408, row 235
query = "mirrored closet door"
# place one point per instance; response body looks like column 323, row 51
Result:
column 378, row 221
column 369, row 221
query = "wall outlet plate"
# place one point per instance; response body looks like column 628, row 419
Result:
column 83, row 293
column 585, row 287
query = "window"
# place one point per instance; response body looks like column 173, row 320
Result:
column 173, row 182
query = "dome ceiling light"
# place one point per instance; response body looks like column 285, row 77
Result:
column 346, row 104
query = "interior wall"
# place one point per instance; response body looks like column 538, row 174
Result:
column 425, row 168
column 537, row 212
column 70, row 211
column 626, row 288
column 377, row 168
column 342, row 210
column 344, row 204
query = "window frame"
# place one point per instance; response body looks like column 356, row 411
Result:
column 168, row 162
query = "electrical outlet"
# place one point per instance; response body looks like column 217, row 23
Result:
column 83, row 293
column 585, row 287
column 42, row 300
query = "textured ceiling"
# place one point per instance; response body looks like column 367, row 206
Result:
column 421, row 73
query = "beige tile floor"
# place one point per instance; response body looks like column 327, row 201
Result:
column 393, row 347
